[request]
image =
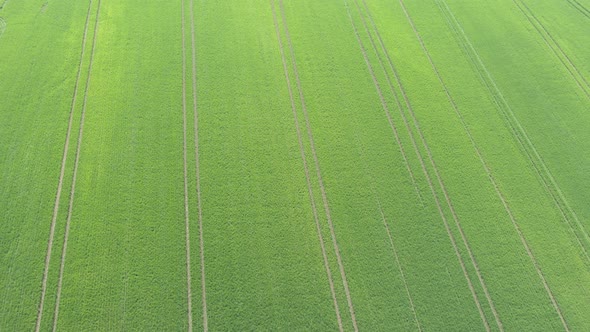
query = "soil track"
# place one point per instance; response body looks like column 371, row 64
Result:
column 416, row 149
column 197, row 170
column 318, row 172
column 75, row 175
column 62, row 174
column 306, row 168
column 185, row 176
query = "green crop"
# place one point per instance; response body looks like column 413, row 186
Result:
column 291, row 165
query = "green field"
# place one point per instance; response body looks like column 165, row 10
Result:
column 280, row 165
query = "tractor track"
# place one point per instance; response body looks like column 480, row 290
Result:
column 62, row 174
column 185, row 176
column 75, row 174
column 504, row 203
column 390, row 239
column 307, row 173
column 399, row 266
column 520, row 136
column 319, row 173
column 197, row 171
column 422, row 163
column 577, row 5
column 472, row 257
column 555, row 47
column 494, row 183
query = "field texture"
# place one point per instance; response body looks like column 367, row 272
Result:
column 281, row 165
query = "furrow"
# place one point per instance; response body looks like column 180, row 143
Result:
column 307, row 173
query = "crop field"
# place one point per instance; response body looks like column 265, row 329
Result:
column 282, row 165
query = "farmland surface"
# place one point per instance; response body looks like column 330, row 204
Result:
column 282, row 165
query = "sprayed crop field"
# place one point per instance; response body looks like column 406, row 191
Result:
column 282, row 165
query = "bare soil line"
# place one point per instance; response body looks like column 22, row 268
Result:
column 75, row 175
column 416, row 149
column 306, row 168
column 520, row 135
column 185, row 176
column 319, row 173
column 555, row 47
column 61, row 174
column 492, row 180
column 197, row 170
